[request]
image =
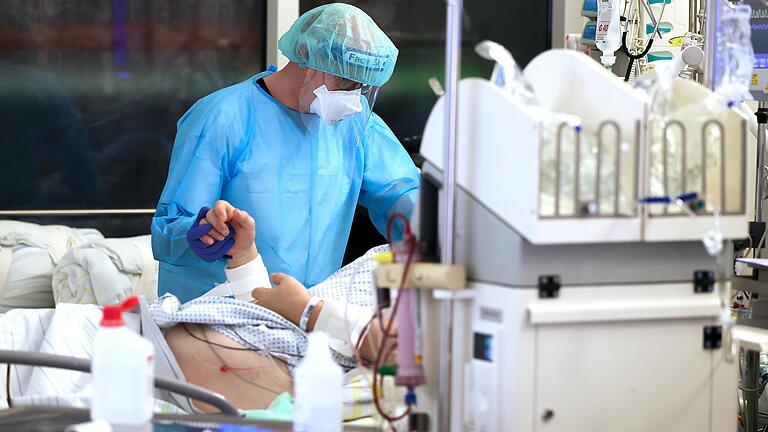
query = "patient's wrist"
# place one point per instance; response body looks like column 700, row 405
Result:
column 313, row 316
column 243, row 257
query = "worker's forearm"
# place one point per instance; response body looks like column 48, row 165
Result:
column 169, row 243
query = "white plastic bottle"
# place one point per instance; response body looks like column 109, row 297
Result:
column 608, row 33
column 318, row 381
column 123, row 373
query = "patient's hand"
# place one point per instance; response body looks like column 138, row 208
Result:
column 288, row 298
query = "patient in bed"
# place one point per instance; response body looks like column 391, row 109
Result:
column 243, row 350
column 217, row 358
column 251, row 378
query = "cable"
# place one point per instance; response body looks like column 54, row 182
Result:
column 194, row 336
column 225, row 368
column 8, row 385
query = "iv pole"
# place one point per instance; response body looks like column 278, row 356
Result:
column 452, row 70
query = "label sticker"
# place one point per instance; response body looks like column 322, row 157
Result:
column 754, row 79
column 370, row 61
column 676, row 41
column 604, row 11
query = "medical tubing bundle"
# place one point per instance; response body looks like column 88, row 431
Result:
column 383, row 351
column 410, row 372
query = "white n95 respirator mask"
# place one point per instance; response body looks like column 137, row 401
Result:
column 335, row 106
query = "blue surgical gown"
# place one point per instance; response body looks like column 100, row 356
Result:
column 301, row 185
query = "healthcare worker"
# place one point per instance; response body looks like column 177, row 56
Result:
column 296, row 149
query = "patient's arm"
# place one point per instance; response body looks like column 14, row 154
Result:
column 343, row 323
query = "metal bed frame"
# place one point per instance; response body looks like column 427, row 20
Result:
column 228, row 413
column 31, row 358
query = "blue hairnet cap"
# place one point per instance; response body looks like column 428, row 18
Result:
column 341, row 40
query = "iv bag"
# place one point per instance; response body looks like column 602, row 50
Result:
column 735, row 56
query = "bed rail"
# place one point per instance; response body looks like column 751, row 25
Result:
column 31, row 358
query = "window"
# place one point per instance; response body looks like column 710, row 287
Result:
column 418, row 30
column 90, row 93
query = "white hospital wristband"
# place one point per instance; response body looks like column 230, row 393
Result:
column 253, row 268
column 313, row 301
column 242, row 280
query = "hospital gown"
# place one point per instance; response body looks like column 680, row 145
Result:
column 264, row 330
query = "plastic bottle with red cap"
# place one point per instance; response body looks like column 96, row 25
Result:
column 123, row 372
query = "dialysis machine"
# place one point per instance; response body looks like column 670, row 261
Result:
column 587, row 310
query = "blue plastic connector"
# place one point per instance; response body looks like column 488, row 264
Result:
column 410, row 396
column 688, row 196
column 656, row 200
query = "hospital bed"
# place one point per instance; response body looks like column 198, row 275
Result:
column 57, row 418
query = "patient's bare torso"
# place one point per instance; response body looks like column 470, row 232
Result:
column 211, row 360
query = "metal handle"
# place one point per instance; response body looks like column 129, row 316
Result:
column 717, row 124
column 617, row 163
column 665, row 156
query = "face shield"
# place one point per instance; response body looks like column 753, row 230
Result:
column 347, row 58
column 335, row 108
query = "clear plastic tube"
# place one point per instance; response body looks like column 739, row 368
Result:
column 506, row 73
column 713, row 244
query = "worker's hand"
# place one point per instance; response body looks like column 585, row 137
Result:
column 288, row 298
column 245, row 231
column 218, row 216
column 244, row 249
